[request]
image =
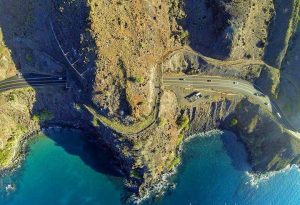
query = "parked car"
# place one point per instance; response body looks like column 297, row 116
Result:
column 193, row 96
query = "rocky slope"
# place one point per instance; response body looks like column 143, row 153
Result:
column 123, row 49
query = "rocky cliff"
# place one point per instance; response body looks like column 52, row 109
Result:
column 122, row 49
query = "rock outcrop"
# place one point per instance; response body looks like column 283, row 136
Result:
column 123, row 50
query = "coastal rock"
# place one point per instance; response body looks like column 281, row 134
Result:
column 115, row 55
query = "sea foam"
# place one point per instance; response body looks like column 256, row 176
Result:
column 210, row 133
column 255, row 179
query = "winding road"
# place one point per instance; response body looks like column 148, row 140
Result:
column 32, row 80
column 229, row 85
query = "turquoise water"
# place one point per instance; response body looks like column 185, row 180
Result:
column 61, row 169
column 215, row 170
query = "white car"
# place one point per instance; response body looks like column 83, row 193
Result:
column 278, row 114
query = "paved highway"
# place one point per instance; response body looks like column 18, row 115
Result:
column 32, row 80
column 234, row 86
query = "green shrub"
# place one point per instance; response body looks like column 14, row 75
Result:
column 175, row 162
column 180, row 139
column 12, row 97
column 22, row 128
column 29, row 57
column 35, row 118
column 43, row 116
column 183, row 122
column 134, row 173
column 95, row 122
column 184, row 35
column 142, row 45
column 137, row 79
column 162, row 122
column 233, row 122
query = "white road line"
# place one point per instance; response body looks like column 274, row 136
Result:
column 203, row 80
column 37, row 81
column 37, row 85
column 238, row 86
column 218, row 86
column 24, row 79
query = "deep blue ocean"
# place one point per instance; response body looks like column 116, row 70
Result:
column 62, row 168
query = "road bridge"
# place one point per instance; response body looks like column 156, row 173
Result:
column 32, row 80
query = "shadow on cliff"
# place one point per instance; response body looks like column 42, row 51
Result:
column 75, row 143
column 208, row 28
column 27, row 33
column 277, row 32
column 236, row 151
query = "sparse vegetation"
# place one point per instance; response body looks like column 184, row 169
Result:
column 174, row 163
column 43, row 116
column 137, row 79
column 117, row 36
column 183, row 122
column 292, row 27
column 7, row 153
column 162, row 122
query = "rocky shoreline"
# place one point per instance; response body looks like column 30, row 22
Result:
column 154, row 189
column 20, row 154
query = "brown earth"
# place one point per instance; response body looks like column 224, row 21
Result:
column 131, row 44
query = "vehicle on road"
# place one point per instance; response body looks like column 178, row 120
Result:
column 208, row 80
column 278, row 114
column 234, row 82
column 60, row 78
column 259, row 94
column 181, row 79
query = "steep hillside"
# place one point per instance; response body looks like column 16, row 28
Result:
column 115, row 55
